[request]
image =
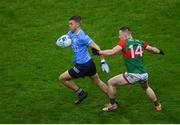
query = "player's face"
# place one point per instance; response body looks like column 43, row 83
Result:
column 122, row 35
column 73, row 25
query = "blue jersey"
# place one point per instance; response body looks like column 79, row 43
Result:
column 80, row 43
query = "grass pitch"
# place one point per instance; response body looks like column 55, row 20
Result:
column 30, row 62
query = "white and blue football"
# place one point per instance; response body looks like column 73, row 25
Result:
column 64, row 41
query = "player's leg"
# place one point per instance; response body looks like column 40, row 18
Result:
column 116, row 80
column 92, row 73
column 151, row 94
column 95, row 78
column 66, row 79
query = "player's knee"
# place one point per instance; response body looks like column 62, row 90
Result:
column 61, row 78
column 145, row 87
column 110, row 83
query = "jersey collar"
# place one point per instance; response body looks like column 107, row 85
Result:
column 77, row 32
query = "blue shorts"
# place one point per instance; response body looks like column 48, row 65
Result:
column 82, row 70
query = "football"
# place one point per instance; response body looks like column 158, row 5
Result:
column 64, row 41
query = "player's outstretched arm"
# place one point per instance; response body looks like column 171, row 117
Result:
column 154, row 50
column 110, row 52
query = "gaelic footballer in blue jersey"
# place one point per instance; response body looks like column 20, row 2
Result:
column 84, row 65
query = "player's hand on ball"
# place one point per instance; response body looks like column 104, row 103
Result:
column 95, row 51
column 104, row 66
column 161, row 52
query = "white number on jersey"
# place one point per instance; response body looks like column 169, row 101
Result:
column 137, row 51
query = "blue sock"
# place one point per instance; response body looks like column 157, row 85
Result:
column 80, row 91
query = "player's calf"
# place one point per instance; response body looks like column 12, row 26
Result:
column 151, row 94
column 100, row 83
column 65, row 78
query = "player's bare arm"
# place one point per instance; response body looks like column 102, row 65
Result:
column 94, row 45
column 109, row 52
column 154, row 50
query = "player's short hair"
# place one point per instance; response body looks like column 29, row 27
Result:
column 76, row 18
column 125, row 29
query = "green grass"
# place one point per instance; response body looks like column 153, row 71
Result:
column 30, row 62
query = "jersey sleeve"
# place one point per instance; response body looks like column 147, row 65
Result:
column 145, row 44
column 87, row 40
column 122, row 44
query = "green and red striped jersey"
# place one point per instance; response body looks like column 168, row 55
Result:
column 132, row 51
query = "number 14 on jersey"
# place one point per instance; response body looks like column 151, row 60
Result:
column 136, row 51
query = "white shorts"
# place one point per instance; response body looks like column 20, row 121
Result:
column 136, row 77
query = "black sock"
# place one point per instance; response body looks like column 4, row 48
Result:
column 112, row 100
column 156, row 103
column 80, row 91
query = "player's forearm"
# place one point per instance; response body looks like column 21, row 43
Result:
column 154, row 50
column 107, row 52
column 95, row 46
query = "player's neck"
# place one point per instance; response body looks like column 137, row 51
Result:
column 77, row 30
